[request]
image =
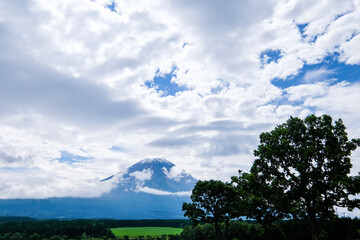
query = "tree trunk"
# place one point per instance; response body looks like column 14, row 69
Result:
column 226, row 230
column 266, row 225
column 267, row 232
column 314, row 229
column 217, row 232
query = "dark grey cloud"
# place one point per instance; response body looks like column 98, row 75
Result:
column 227, row 146
column 219, row 145
column 10, row 159
column 224, row 126
column 214, row 16
column 153, row 123
column 169, row 142
column 232, row 137
column 29, row 87
column 8, row 47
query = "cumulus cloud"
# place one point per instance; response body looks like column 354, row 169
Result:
column 143, row 175
column 301, row 92
column 161, row 192
column 57, row 180
column 175, row 173
column 317, row 75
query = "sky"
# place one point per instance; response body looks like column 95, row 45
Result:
column 90, row 87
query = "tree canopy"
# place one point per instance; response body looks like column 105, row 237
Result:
column 310, row 161
column 259, row 200
column 212, row 202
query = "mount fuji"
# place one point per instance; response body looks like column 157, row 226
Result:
column 150, row 189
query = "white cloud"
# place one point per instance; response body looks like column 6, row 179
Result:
column 339, row 100
column 52, row 180
column 349, row 49
column 175, row 173
column 143, row 175
column 161, row 192
column 317, row 75
column 301, row 92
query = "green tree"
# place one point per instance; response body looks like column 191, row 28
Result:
column 56, row 237
column 7, row 236
column 35, row 236
column 16, row 236
column 213, row 203
column 310, row 161
column 173, row 237
column 260, row 199
column 199, row 232
column 83, row 236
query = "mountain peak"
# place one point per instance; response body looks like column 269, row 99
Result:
column 153, row 163
column 153, row 175
column 154, row 160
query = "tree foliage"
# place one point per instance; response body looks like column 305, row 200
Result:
column 260, row 200
column 34, row 236
column 309, row 161
column 335, row 229
column 49, row 228
column 213, row 203
column 16, row 236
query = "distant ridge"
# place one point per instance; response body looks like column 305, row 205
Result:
column 4, row 219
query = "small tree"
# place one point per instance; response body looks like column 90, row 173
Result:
column 310, row 161
column 35, row 236
column 16, row 236
column 7, row 236
column 213, row 203
column 56, row 237
column 83, row 236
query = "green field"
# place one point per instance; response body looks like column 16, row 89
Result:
column 145, row 231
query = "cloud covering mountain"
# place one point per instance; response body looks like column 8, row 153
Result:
column 149, row 189
column 154, row 176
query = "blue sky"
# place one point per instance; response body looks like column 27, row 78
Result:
column 89, row 87
column 328, row 69
column 270, row 55
column 67, row 157
column 164, row 83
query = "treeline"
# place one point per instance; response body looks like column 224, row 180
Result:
column 50, row 228
column 4, row 219
column 336, row 229
column 176, row 223
column 301, row 172
column 20, row 228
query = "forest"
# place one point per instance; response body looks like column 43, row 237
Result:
column 16, row 228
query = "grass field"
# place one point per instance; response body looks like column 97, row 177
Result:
column 145, row 231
